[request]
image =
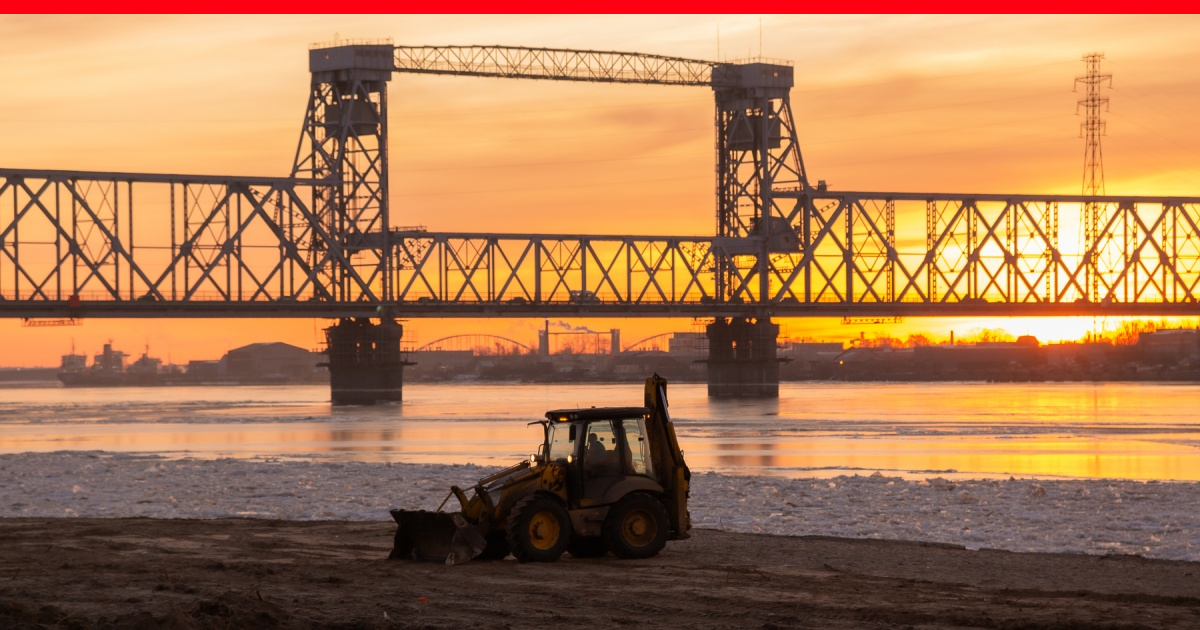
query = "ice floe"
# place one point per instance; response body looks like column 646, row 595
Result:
column 1153, row 519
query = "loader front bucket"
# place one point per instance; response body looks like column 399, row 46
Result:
column 435, row 536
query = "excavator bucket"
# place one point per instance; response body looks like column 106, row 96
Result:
column 435, row 536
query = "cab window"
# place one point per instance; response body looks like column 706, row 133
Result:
column 600, row 450
column 639, row 450
column 562, row 441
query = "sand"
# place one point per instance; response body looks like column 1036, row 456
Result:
column 225, row 573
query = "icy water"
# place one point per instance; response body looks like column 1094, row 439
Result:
column 964, row 430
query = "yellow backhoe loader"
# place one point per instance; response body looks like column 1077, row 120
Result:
column 604, row 480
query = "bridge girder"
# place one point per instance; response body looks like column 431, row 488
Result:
column 71, row 245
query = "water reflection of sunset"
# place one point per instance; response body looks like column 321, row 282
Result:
column 1139, row 431
column 1149, row 456
column 426, row 442
column 1065, row 456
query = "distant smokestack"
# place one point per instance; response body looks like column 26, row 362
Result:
column 615, row 344
column 544, row 340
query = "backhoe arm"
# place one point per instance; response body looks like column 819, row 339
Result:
column 670, row 468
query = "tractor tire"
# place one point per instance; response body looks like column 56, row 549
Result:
column 587, row 547
column 637, row 527
column 539, row 529
column 497, row 547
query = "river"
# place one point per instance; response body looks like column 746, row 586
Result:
column 966, row 430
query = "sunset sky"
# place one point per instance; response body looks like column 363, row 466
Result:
column 951, row 104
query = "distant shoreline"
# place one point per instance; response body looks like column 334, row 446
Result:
column 52, row 382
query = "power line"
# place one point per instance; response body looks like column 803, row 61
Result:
column 968, row 150
column 932, row 132
column 935, row 107
column 911, row 79
column 1151, row 131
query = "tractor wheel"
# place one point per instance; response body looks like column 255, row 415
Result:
column 538, row 529
column 587, row 547
column 497, row 547
column 637, row 527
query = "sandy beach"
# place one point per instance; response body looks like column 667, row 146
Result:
column 224, row 573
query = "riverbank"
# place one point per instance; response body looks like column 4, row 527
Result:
column 75, row 573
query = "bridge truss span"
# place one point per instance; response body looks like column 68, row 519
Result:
column 75, row 244
column 589, row 272
column 518, row 62
column 123, row 244
column 1021, row 253
column 882, row 254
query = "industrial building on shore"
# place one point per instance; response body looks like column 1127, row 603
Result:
column 1163, row 355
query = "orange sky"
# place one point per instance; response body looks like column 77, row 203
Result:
column 897, row 103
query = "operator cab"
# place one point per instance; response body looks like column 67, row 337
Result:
column 599, row 448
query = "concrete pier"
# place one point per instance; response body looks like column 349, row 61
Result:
column 742, row 358
column 365, row 362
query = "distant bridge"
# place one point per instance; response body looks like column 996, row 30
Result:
column 659, row 343
column 498, row 344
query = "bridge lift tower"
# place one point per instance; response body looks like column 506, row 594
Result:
column 344, row 146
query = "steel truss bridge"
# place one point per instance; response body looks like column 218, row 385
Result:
column 484, row 343
column 322, row 243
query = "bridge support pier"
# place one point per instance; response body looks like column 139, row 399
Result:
column 365, row 363
column 742, row 360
